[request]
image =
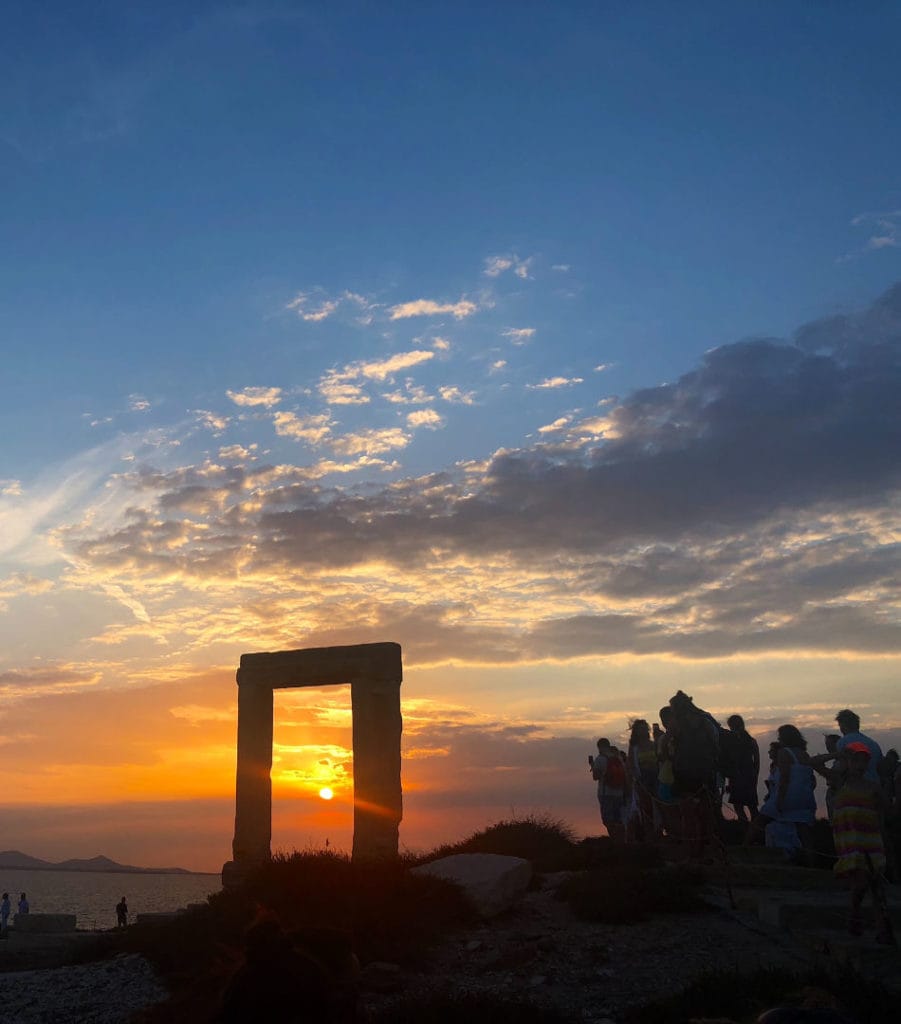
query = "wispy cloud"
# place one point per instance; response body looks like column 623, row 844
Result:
column 884, row 231
column 518, row 335
column 555, row 382
column 383, row 368
column 256, row 396
column 494, row 266
column 428, row 307
column 138, row 403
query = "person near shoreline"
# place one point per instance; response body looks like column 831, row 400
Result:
column 122, row 913
column 857, row 830
column 4, row 914
column 608, row 770
column 23, row 905
column 745, row 769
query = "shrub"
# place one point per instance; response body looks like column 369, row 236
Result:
column 624, row 893
column 549, row 844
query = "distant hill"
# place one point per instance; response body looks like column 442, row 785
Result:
column 17, row 859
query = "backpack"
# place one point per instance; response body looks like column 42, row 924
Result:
column 697, row 746
column 615, row 774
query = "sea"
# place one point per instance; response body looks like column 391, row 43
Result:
column 92, row 895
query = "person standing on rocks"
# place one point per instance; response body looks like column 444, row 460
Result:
column 4, row 915
column 122, row 913
column 23, row 904
column 608, row 770
column 744, row 770
column 849, row 725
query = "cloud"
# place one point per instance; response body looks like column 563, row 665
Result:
column 497, row 365
column 425, row 418
column 557, row 425
column 324, row 309
column 602, row 367
column 428, row 307
column 549, row 383
column 412, row 394
column 316, row 307
column 371, row 442
column 441, row 344
column 238, row 453
column 211, row 420
column 561, row 268
column 451, row 393
column 337, row 389
column 746, row 508
column 383, row 368
column 884, row 232
column 519, row 335
column 138, row 403
column 494, row 266
column 314, row 428
column 256, row 396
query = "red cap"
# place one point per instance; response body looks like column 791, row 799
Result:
column 859, row 748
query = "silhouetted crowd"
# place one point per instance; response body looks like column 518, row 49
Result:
column 673, row 780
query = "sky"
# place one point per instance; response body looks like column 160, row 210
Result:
column 560, row 345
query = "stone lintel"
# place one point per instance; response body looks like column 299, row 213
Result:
column 322, row 666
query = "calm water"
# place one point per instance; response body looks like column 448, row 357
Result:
column 92, row 895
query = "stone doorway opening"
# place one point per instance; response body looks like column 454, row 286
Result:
column 374, row 672
column 312, row 770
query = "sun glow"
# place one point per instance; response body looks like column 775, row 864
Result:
column 326, row 793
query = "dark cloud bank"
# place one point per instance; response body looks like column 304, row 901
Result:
column 747, row 507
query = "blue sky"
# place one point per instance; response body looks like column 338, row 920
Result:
column 451, row 308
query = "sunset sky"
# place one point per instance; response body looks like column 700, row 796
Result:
column 558, row 342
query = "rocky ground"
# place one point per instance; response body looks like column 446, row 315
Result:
column 591, row 972
column 538, row 950
column 105, row 992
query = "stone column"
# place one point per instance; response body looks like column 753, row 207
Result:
column 253, row 784
column 378, row 800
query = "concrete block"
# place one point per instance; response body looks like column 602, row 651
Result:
column 491, row 882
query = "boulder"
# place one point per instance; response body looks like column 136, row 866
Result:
column 492, row 882
column 43, row 924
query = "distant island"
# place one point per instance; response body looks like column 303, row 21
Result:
column 17, row 859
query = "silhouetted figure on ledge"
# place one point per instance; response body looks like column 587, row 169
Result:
column 122, row 914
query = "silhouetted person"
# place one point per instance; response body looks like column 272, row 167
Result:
column 4, row 914
column 745, row 769
column 23, row 904
column 849, row 725
column 608, row 770
column 122, row 913
column 790, row 805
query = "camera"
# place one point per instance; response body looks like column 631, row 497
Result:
column 590, row 759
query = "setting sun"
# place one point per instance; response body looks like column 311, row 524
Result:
column 326, row 793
